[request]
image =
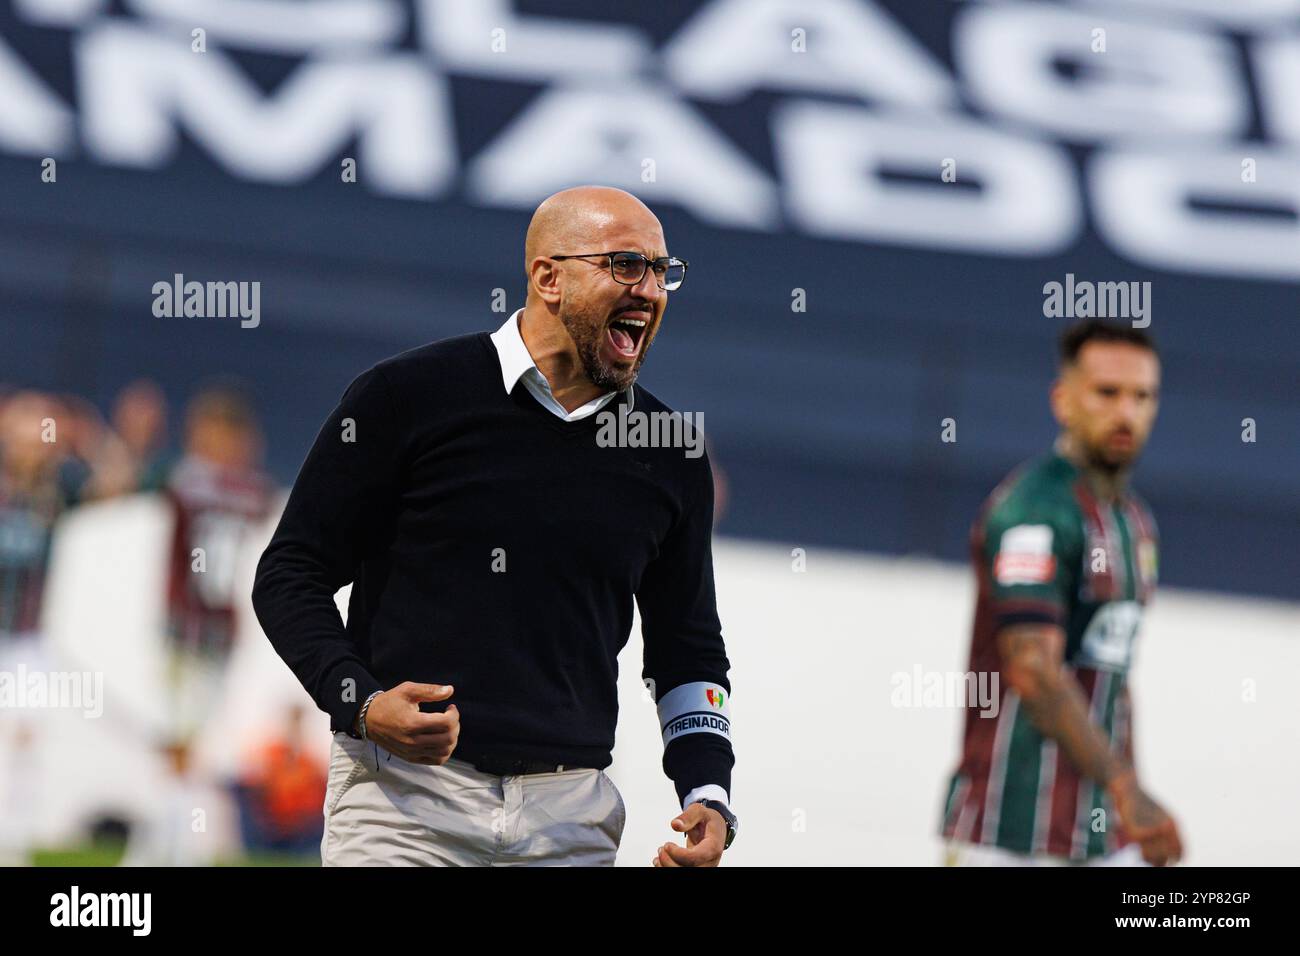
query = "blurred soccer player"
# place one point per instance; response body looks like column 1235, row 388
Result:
column 1065, row 555
column 35, row 489
column 132, row 456
column 217, row 493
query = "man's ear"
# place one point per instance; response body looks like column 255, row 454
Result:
column 544, row 277
column 1059, row 399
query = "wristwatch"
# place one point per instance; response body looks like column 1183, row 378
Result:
column 730, row 818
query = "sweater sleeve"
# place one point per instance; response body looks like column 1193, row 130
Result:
column 685, row 659
column 335, row 516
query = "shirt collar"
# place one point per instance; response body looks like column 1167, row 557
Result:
column 517, row 361
column 514, row 355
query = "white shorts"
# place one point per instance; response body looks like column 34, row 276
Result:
column 381, row 810
column 977, row 854
column 20, row 654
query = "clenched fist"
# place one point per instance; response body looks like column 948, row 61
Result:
column 1145, row 821
column 396, row 723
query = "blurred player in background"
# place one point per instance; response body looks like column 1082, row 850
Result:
column 133, row 455
column 36, row 487
column 38, row 483
column 1065, row 555
column 217, row 492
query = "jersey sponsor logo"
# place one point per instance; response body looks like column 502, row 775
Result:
column 1025, row 556
column 1107, row 642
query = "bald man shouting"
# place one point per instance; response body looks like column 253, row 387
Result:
column 495, row 540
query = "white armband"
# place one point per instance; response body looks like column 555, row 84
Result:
column 698, row 708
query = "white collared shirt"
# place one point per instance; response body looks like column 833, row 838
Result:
column 517, row 363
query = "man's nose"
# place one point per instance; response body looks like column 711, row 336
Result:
column 1128, row 409
column 648, row 287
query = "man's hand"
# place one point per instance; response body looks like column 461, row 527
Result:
column 706, row 834
column 396, row 723
column 1145, row 821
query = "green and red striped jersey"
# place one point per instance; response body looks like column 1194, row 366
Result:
column 1046, row 550
column 27, row 519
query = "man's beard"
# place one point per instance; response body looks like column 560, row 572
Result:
column 1111, row 463
column 588, row 334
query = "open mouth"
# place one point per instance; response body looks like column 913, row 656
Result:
column 626, row 332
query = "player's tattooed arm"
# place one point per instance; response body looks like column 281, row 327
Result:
column 1033, row 662
column 1033, row 658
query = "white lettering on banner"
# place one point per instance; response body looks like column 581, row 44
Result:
column 280, row 25
column 1160, row 81
column 1278, row 73
column 1242, row 13
column 540, row 47
column 59, row 12
column 601, row 134
column 139, row 84
column 1142, row 204
column 33, row 120
column 276, row 25
column 137, row 87
column 1027, row 203
column 732, row 47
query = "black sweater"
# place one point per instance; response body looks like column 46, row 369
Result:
column 445, row 481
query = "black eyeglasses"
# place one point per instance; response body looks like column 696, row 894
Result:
column 629, row 268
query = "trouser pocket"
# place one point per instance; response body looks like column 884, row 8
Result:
column 347, row 766
column 620, row 809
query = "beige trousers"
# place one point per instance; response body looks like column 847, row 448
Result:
column 381, row 810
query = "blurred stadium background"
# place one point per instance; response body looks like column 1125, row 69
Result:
column 843, row 302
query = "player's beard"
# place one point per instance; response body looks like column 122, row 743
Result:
column 1112, row 462
column 587, row 328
